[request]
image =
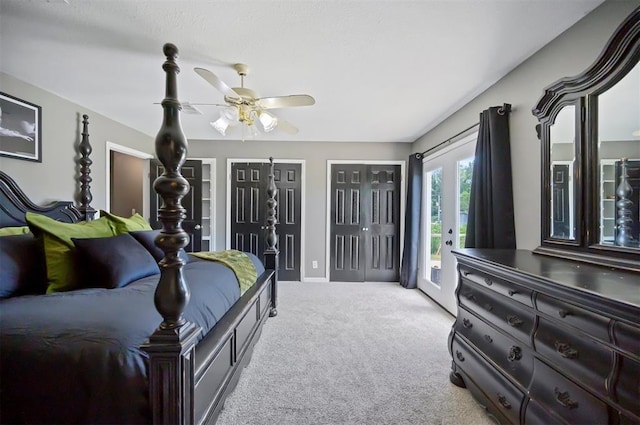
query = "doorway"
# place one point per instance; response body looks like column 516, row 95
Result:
column 445, row 206
column 127, row 170
column 364, row 222
column 247, row 194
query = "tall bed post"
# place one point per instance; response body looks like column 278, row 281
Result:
column 86, row 211
column 171, row 346
column 271, row 253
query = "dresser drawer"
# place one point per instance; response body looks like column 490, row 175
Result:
column 504, row 397
column 565, row 399
column 628, row 385
column 536, row 414
column 512, row 356
column 575, row 354
column 506, row 288
column 588, row 322
column 627, row 337
column 511, row 317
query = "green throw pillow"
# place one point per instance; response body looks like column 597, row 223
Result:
column 124, row 225
column 10, row 231
column 58, row 246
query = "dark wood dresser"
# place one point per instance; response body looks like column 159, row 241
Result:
column 541, row 340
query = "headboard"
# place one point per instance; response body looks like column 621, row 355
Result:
column 14, row 203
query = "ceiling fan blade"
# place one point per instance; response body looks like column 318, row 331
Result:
column 286, row 101
column 286, row 126
column 216, row 82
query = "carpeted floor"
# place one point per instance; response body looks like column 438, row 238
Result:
column 351, row 353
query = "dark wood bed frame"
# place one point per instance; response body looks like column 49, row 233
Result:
column 188, row 382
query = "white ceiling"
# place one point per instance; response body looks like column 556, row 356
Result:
column 380, row 71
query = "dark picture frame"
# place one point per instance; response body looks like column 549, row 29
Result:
column 20, row 129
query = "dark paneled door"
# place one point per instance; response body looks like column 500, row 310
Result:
column 561, row 222
column 192, row 202
column 248, row 212
column 365, row 226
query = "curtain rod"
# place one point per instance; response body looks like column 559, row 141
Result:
column 442, row 144
column 505, row 108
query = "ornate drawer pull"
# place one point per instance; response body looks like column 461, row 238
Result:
column 564, row 313
column 488, row 281
column 565, row 399
column 503, row 401
column 459, row 356
column 515, row 353
column 512, row 292
column 470, row 296
column 467, row 323
column 565, row 350
column 488, row 307
column 488, row 339
column 465, row 273
column 514, row 321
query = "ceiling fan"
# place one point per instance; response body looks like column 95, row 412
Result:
column 244, row 106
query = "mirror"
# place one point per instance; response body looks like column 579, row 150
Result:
column 589, row 128
column 619, row 162
column 562, row 151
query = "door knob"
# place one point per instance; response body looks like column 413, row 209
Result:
column 197, row 227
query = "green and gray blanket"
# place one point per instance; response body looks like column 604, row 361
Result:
column 237, row 261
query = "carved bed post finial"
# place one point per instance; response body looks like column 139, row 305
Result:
column 171, row 346
column 271, row 253
column 87, row 212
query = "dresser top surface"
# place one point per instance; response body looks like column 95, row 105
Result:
column 619, row 285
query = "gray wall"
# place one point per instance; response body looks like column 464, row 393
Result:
column 567, row 55
column 315, row 156
column 55, row 178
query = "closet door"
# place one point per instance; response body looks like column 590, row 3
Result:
column 347, row 226
column 365, row 222
column 382, row 223
column 249, row 216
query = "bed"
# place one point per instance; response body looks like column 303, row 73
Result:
column 166, row 347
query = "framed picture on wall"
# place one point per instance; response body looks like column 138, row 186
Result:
column 20, row 129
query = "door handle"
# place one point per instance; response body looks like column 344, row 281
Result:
column 197, row 227
column 448, row 243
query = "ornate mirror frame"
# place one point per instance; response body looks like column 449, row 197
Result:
column 620, row 55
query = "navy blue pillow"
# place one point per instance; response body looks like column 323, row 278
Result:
column 23, row 266
column 148, row 239
column 113, row 262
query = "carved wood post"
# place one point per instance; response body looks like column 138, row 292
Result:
column 623, row 207
column 171, row 346
column 87, row 212
column 271, row 253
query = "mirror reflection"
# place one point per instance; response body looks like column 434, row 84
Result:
column 619, row 162
column 562, row 154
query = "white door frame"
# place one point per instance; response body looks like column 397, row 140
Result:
column 303, row 202
column 146, row 195
column 443, row 294
column 330, row 162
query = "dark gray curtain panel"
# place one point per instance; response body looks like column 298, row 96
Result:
column 409, row 267
column 491, row 223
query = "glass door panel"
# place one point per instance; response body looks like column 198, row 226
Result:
column 445, row 206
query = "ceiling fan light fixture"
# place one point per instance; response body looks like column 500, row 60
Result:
column 268, row 121
column 221, row 125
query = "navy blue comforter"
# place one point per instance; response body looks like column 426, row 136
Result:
column 74, row 357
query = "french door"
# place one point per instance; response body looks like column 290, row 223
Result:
column 445, row 205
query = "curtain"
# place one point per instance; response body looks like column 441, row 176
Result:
column 409, row 266
column 490, row 222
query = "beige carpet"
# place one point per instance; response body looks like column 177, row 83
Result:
column 345, row 353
